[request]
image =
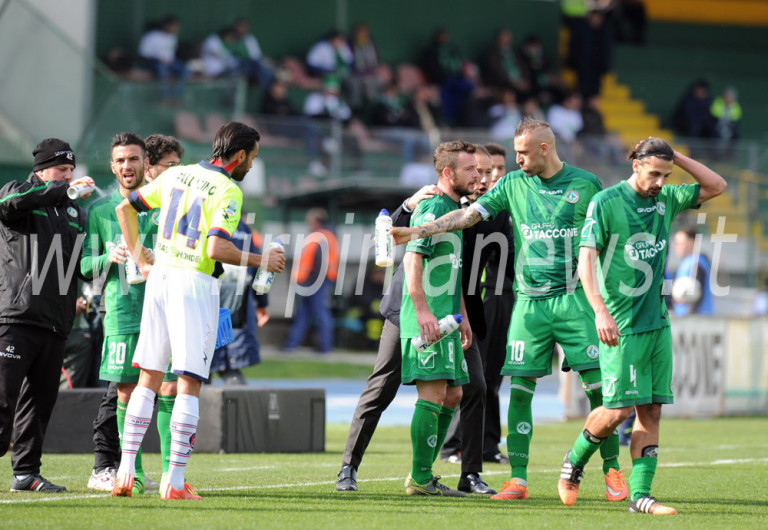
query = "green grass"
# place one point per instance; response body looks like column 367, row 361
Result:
column 715, row 472
column 304, row 369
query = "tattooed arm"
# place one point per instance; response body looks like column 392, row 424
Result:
column 450, row 222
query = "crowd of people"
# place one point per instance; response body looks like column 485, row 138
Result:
column 407, row 104
column 160, row 322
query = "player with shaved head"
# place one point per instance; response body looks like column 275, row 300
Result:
column 547, row 201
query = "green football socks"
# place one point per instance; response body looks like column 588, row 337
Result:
column 643, row 471
column 164, row 409
column 520, row 421
column 591, row 380
column 443, row 423
column 424, row 435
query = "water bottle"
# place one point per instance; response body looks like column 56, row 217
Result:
column 383, row 241
column 132, row 273
column 262, row 283
column 78, row 190
column 447, row 324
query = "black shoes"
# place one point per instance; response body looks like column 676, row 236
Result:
column 498, row 458
column 35, row 482
column 473, row 483
column 347, row 478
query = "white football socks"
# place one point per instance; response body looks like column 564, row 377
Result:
column 137, row 418
column 183, row 428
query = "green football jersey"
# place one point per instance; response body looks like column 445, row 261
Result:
column 441, row 262
column 631, row 235
column 195, row 201
column 547, row 216
column 121, row 301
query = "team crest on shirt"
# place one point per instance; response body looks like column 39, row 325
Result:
column 230, row 210
column 429, row 217
column 155, row 218
column 572, row 196
column 593, row 352
column 661, row 208
column 72, row 212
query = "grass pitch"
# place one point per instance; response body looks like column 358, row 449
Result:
column 715, row 472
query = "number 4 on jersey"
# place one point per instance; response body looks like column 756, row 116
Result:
column 189, row 223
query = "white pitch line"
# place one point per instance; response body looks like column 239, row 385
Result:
column 65, row 497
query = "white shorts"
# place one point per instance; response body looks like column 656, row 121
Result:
column 179, row 322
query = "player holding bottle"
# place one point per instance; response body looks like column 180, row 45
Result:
column 199, row 210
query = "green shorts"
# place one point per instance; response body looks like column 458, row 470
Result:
column 117, row 360
column 639, row 370
column 443, row 360
column 538, row 324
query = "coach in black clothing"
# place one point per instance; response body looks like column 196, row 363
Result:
column 41, row 236
column 381, row 387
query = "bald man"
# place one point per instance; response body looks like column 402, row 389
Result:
column 547, row 200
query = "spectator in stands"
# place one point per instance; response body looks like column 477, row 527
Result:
column 442, row 63
column 692, row 116
column 247, row 309
column 505, row 115
column 330, row 56
column 314, row 275
column 216, row 56
column 500, row 68
column 630, row 13
column 595, row 137
column 327, row 105
column 530, row 107
column 400, row 123
column 163, row 152
column 157, row 50
column 726, row 111
column 565, row 121
column 693, row 265
column 475, row 99
column 364, row 83
column 536, row 67
column 248, row 52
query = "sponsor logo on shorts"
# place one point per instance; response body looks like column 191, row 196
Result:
column 672, row 387
column 609, row 386
column 593, row 352
column 523, row 427
column 432, row 441
column 631, row 392
column 10, row 353
column 464, row 367
column 427, row 360
column 572, row 196
column 72, row 212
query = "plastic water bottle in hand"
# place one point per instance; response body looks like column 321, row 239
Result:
column 447, row 325
column 132, row 273
column 78, row 190
column 262, row 283
column 384, row 241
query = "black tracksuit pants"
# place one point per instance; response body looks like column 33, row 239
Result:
column 30, row 367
